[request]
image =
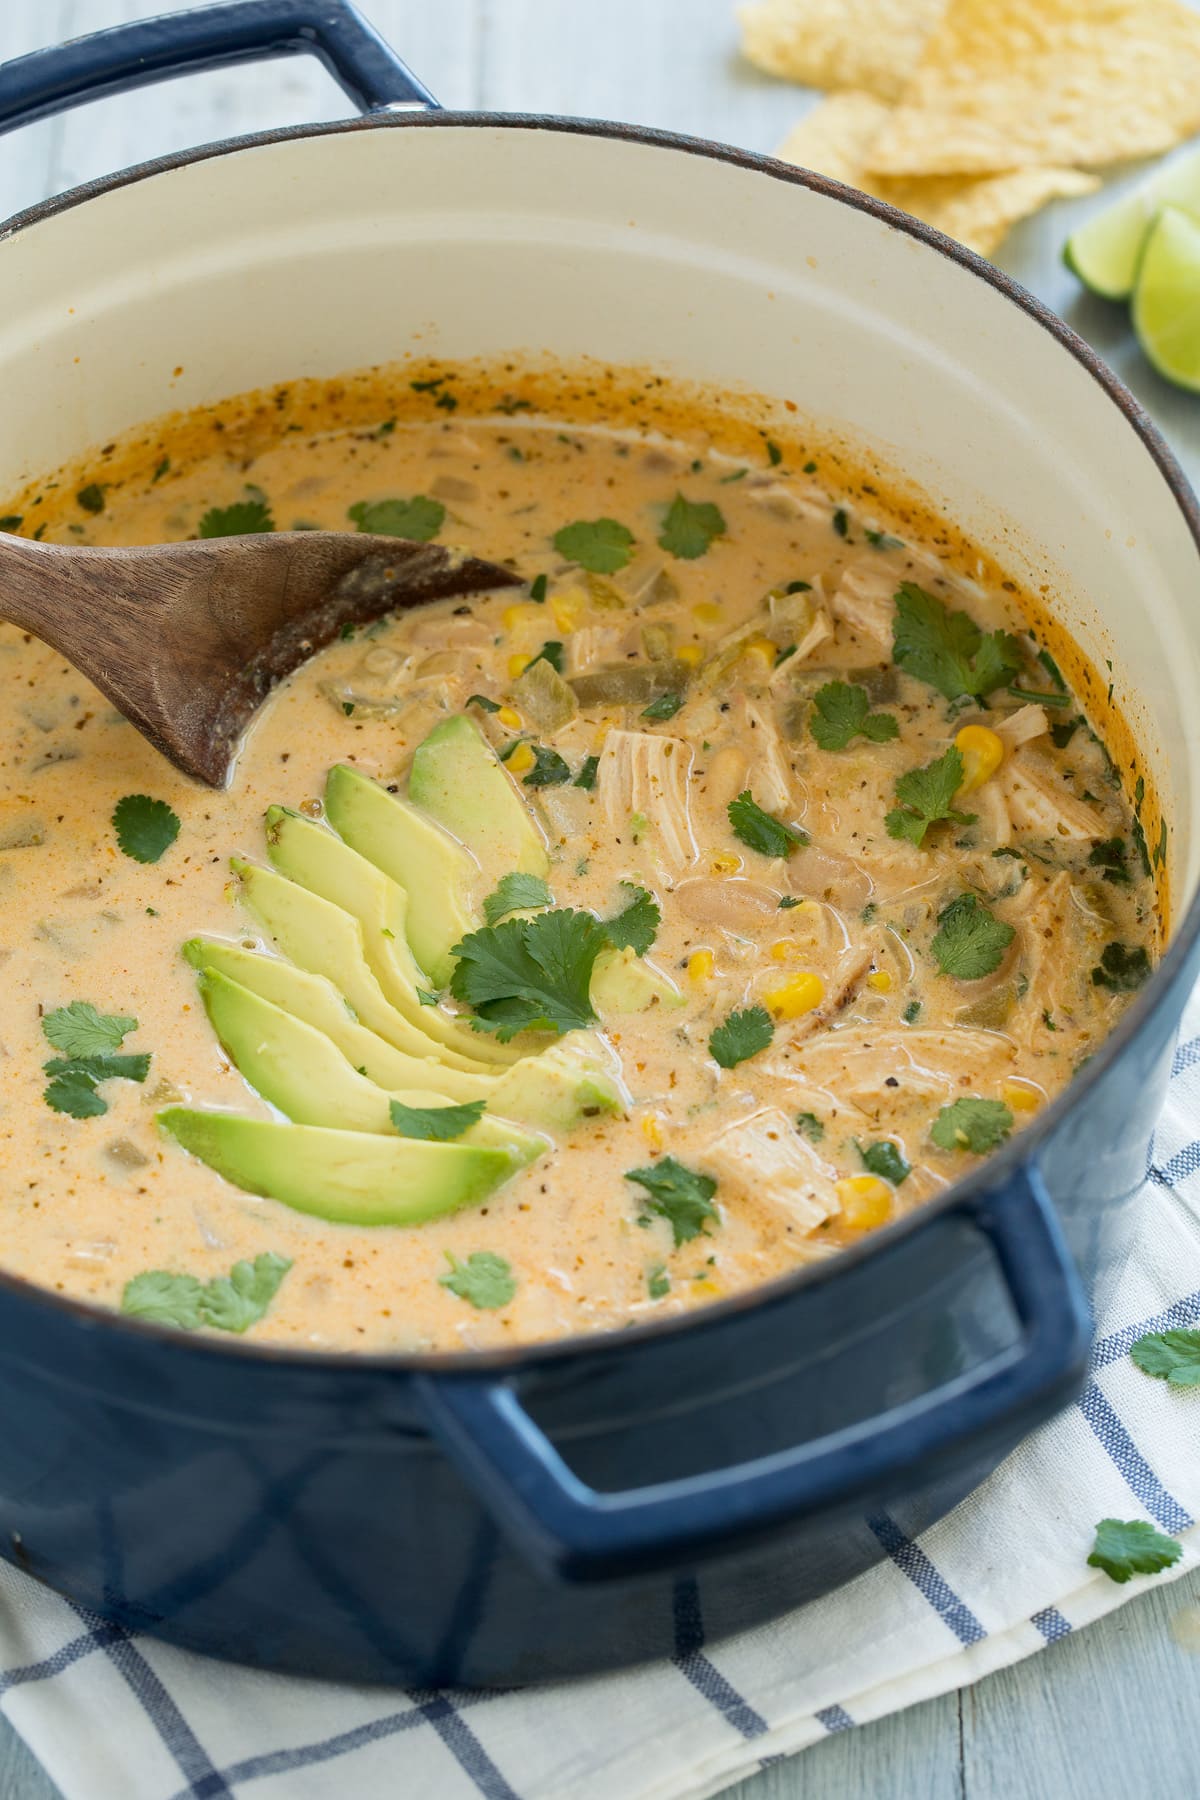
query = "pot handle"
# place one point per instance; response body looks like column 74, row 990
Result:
column 210, row 37
column 577, row 1533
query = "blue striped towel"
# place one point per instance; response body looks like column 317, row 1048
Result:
column 119, row 1717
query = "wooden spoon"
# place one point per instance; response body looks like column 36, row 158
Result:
column 188, row 639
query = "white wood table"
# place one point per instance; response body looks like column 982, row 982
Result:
column 1105, row 1714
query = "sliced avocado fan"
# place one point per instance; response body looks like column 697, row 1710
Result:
column 459, row 781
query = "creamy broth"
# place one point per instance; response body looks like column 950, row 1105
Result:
column 837, row 944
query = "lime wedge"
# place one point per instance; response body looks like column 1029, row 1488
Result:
column 1104, row 252
column 1166, row 300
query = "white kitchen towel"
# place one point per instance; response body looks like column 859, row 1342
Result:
column 115, row 1716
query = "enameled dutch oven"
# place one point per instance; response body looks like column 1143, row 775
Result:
column 515, row 1516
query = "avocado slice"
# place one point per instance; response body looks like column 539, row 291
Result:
column 434, row 870
column 306, row 1076
column 623, row 982
column 325, row 940
column 553, row 1090
column 318, row 860
column 347, row 1177
column 459, row 781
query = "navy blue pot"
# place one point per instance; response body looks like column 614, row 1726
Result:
column 498, row 1519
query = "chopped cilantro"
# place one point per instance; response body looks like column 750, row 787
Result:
column 601, row 546
column 665, row 707
column 517, row 892
column 430, row 386
column 970, row 941
column 740, row 1036
column 348, row 708
column 145, row 828
column 737, row 475
column 883, row 540
column 484, row 1280
column 161, row 469
column 79, row 1030
column 483, row 703
column 243, row 519
column 419, row 518
column 781, row 656
column 586, row 777
column 810, row 468
column 530, row 974
column 690, row 527
column 1036, row 696
column 1062, row 732
column 947, row 649
column 658, row 1282
column 91, row 497
column 1173, row 1356
column 636, row 925
column 926, row 798
column 885, row 1159
column 551, row 652
column 1128, row 1547
column 230, row 1302
column 841, row 522
column 912, row 1012
column 760, row 830
column 811, row 1126
column 678, row 1194
column 435, row 1124
column 1110, row 856
column 1052, row 669
column 798, row 587
column 1159, row 855
column 537, row 589
column 774, row 454
column 1122, row 968
column 11, row 522
column 549, row 769
column 787, row 902
column 972, row 1124
column 841, row 712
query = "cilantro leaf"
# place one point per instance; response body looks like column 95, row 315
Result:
column 811, row 1126
column 164, row 1298
column 483, row 703
column 435, row 1124
column 549, row 769
column 681, row 1195
column 926, row 798
column 1110, row 856
column 102, row 1067
column 1128, row 1547
column 419, row 518
column 841, row 712
column 145, row 828
column 242, row 519
column 658, row 1282
column 230, row 1302
column 601, row 546
column 740, row 1036
column 75, row 1094
column 484, row 1280
column 690, row 527
column 761, row 830
column 1122, row 968
column 636, row 925
column 91, row 497
column 883, row 540
column 972, row 1124
column 79, row 1030
column 515, row 893
column 947, row 649
column 1173, row 1356
column 970, row 941
column 238, row 1300
column 665, row 707
column 885, row 1159
column 530, row 974
column 551, row 652
column 586, row 777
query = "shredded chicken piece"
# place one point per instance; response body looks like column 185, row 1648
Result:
column 765, row 1157
column 1020, row 727
column 864, row 599
column 727, row 901
column 840, row 989
column 1061, row 940
column 870, row 1069
column 785, row 503
column 1042, row 806
column 991, row 809
column 769, row 771
column 597, row 646
column 641, row 772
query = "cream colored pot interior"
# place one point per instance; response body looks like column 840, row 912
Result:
column 315, row 255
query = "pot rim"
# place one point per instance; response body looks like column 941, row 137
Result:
column 998, row 1169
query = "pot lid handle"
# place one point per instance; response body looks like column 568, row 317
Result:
column 211, row 37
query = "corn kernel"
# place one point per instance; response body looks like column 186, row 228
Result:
column 1022, row 1096
column 652, row 1131
column 526, row 613
column 726, row 862
column 880, row 980
column 521, row 760
column 701, row 964
column 761, row 646
column 982, row 752
column 689, row 653
column 707, row 1288
column 707, row 612
column 797, row 996
column 784, row 950
column 569, row 609
column 517, row 665
column 866, row 1202
column 510, row 717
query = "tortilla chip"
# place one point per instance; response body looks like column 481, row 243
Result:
column 867, row 44
column 837, row 139
column 1005, row 84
